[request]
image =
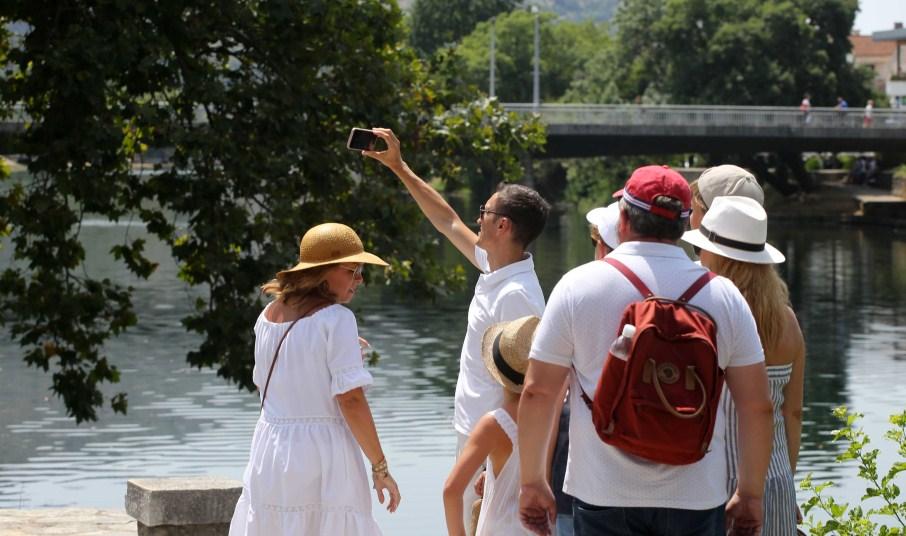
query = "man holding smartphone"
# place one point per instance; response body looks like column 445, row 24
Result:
column 507, row 288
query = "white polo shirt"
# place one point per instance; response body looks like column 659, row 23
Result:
column 508, row 293
column 577, row 328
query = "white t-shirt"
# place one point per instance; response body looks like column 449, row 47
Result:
column 577, row 328
column 507, row 293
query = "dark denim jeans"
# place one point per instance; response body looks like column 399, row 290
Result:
column 590, row 520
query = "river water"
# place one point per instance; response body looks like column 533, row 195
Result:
column 847, row 284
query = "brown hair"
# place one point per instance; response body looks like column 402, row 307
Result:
column 593, row 232
column 765, row 292
column 525, row 208
column 293, row 287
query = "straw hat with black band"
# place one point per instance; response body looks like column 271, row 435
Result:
column 505, row 349
column 737, row 228
column 331, row 243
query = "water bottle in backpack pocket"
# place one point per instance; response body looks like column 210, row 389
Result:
column 657, row 397
column 623, row 344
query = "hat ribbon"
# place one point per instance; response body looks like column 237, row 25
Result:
column 505, row 369
column 729, row 242
column 654, row 209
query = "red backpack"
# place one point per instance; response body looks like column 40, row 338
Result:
column 660, row 404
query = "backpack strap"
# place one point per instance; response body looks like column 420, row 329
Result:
column 630, row 275
column 696, row 286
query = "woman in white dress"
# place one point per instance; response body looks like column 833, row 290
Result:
column 305, row 474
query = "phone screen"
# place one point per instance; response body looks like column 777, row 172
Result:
column 361, row 139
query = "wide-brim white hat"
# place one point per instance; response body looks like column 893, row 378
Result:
column 737, row 228
column 606, row 220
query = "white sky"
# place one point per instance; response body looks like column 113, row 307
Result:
column 878, row 15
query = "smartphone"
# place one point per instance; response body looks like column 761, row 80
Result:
column 361, row 139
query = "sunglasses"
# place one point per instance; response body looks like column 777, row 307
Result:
column 356, row 272
column 482, row 211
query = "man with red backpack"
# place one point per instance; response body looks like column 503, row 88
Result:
column 646, row 451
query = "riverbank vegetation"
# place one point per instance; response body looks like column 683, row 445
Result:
column 239, row 115
column 880, row 510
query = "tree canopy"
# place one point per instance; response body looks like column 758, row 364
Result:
column 253, row 101
column 439, row 23
column 744, row 52
column 565, row 48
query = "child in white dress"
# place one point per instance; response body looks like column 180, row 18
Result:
column 505, row 349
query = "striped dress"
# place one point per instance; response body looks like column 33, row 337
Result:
column 779, row 488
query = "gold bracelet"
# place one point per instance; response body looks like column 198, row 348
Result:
column 379, row 469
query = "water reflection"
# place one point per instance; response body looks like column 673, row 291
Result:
column 846, row 284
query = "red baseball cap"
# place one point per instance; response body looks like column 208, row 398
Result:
column 648, row 182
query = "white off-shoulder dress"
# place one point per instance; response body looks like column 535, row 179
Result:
column 306, row 473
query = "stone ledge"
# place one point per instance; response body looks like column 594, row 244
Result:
column 66, row 522
column 181, row 501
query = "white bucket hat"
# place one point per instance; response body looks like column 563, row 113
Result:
column 737, row 228
column 606, row 220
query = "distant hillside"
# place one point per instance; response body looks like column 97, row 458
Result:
column 597, row 10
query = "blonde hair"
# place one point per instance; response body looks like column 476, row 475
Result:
column 293, row 287
column 593, row 231
column 697, row 195
column 766, row 293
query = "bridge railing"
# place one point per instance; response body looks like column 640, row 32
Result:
column 731, row 116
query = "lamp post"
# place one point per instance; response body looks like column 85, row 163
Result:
column 536, row 85
column 491, row 89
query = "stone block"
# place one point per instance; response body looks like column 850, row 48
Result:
column 211, row 529
column 198, row 505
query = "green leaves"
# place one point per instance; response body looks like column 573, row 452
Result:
column 222, row 131
column 565, row 48
column 692, row 51
column 846, row 520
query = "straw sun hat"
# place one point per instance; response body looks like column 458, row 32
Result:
column 737, row 228
column 331, row 243
column 505, row 349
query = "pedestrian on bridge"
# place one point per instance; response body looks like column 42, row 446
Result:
column 805, row 107
column 867, row 118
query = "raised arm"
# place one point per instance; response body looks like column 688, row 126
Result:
column 433, row 205
column 793, row 392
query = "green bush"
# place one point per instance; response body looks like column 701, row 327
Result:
column 879, row 505
column 899, row 172
column 846, row 161
column 813, row 163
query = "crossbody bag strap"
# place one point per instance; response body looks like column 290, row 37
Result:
column 270, row 371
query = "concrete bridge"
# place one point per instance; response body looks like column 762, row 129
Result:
column 583, row 130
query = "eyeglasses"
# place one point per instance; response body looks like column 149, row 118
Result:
column 356, row 272
column 482, row 211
